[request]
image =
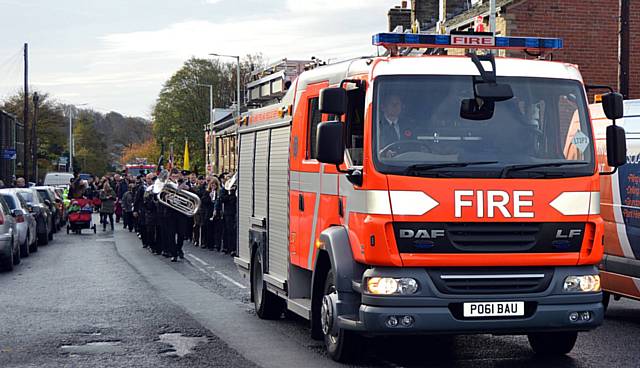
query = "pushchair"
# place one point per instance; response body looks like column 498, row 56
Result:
column 80, row 213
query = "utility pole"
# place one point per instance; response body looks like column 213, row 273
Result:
column 34, row 139
column 25, row 131
column 623, row 49
column 492, row 16
column 70, row 139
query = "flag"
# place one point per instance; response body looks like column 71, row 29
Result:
column 185, row 162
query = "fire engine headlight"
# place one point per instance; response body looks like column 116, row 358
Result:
column 391, row 286
column 584, row 284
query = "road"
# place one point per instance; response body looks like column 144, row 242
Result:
column 103, row 301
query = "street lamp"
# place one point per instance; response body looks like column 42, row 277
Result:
column 71, row 111
column 237, row 78
column 210, row 100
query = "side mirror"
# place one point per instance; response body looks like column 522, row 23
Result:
column 47, row 202
column 17, row 212
column 330, row 143
column 613, row 106
column 333, row 100
column 616, row 146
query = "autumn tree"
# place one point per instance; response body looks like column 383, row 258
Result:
column 148, row 150
column 182, row 108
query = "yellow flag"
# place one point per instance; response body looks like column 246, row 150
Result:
column 185, row 164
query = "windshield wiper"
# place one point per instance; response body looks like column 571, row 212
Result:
column 426, row 167
column 510, row 168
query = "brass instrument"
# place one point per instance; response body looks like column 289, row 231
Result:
column 171, row 196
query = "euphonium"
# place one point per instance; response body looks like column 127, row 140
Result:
column 171, row 196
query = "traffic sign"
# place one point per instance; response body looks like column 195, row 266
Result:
column 8, row 154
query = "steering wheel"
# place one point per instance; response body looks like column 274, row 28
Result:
column 404, row 146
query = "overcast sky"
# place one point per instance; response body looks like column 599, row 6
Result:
column 115, row 54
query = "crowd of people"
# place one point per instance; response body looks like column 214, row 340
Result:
column 162, row 229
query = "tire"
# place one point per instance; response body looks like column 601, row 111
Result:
column 267, row 304
column 43, row 239
column 7, row 265
column 606, row 298
column 24, row 248
column 344, row 346
column 553, row 343
column 34, row 247
column 16, row 258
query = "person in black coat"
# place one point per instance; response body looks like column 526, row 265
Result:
column 229, row 200
column 391, row 127
column 212, row 211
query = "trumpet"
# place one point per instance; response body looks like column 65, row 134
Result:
column 171, row 196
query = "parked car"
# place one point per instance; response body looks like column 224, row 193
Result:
column 58, row 178
column 48, row 196
column 25, row 221
column 44, row 219
column 9, row 246
column 620, row 266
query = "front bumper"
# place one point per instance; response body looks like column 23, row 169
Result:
column 435, row 312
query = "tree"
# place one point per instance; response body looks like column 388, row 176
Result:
column 51, row 127
column 182, row 108
column 90, row 147
column 148, row 150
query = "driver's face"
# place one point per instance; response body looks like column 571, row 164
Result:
column 392, row 107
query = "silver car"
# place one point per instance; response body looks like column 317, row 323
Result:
column 25, row 221
column 9, row 246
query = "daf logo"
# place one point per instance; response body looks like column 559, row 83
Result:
column 421, row 234
column 561, row 234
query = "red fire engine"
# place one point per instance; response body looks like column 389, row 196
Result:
column 427, row 194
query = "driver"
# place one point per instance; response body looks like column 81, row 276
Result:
column 391, row 127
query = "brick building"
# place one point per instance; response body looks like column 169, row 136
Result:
column 589, row 29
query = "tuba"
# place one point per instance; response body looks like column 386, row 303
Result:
column 171, row 196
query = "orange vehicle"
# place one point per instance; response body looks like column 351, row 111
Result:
column 620, row 266
column 427, row 194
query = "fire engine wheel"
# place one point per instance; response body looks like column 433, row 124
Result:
column 606, row 298
column 267, row 304
column 553, row 343
column 343, row 345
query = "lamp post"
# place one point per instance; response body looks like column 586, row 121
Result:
column 237, row 78
column 71, row 112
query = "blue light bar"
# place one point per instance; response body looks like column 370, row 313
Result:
column 491, row 42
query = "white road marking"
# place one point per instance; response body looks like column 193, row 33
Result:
column 230, row 280
column 217, row 272
column 197, row 259
column 105, row 240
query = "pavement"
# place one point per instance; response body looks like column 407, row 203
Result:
column 104, row 301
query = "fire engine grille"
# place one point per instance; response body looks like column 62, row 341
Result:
column 488, row 237
column 491, row 281
column 504, row 237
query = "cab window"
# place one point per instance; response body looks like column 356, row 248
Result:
column 314, row 117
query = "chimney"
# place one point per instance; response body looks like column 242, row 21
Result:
column 399, row 16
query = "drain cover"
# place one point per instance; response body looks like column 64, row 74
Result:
column 180, row 345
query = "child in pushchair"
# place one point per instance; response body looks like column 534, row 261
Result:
column 80, row 212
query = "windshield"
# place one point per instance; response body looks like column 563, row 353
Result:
column 423, row 126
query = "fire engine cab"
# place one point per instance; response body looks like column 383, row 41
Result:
column 428, row 194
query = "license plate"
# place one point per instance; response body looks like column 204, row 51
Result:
column 493, row 309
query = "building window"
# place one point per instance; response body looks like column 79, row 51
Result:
column 314, row 118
